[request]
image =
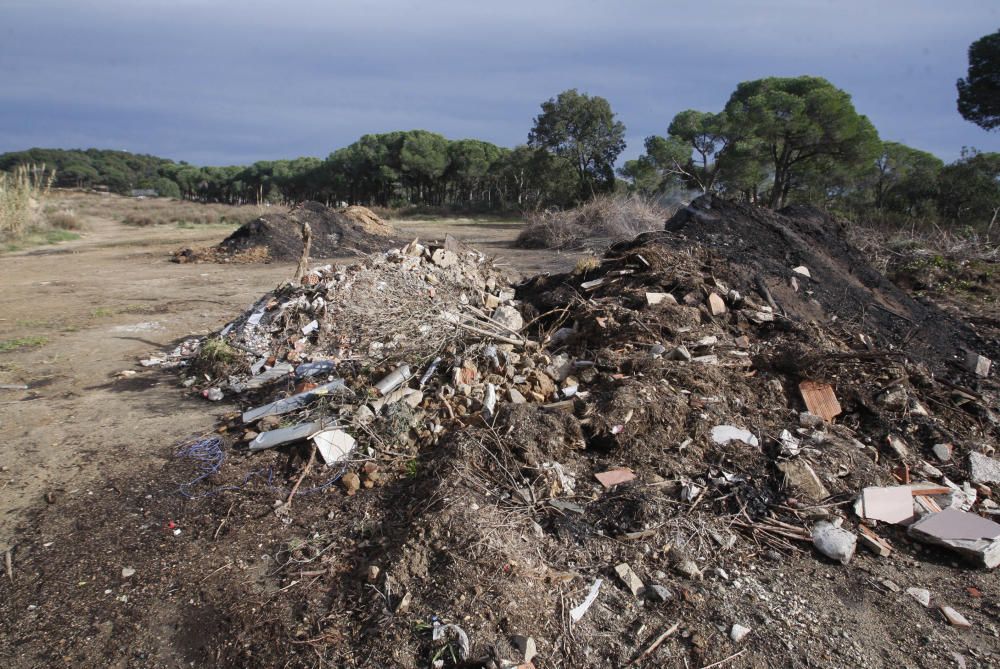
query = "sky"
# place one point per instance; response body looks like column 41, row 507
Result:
column 222, row 82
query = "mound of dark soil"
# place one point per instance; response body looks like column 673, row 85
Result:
column 281, row 234
column 757, row 249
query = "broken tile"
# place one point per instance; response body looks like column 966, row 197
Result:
column 922, row 595
column 660, row 298
column 820, row 399
column 613, row 477
column 893, row 504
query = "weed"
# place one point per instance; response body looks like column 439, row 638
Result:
column 102, row 312
column 7, row 345
column 215, row 358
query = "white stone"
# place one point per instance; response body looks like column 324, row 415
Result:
column 922, row 595
column 835, row 543
column 739, row 632
column 983, row 469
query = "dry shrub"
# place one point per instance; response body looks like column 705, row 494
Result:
column 164, row 211
column 888, row 249
column 64, row 219
column 21, row 192
column 595, row 224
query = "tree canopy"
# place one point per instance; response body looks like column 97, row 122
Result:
column 583, row 131
column 979, row 92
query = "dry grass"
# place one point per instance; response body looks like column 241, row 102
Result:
column 160, row 211
column 888, row 248
column 64, row 219
column 596, row 224
column 21, row 194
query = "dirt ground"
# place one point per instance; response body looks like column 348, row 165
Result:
column 151, row 579
column 77, row 314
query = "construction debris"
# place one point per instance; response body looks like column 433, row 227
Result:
column 973, row 536
column 676, row 407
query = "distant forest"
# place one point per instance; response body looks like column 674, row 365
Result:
column 777, row 141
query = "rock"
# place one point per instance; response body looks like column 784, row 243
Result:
column 716, row 305
column 659, row 593
column 977, row 364
column 922, row 595
column 687, row 567
column 834, row 542
column 351, row 482
column 801, row 478
column 810, row 420
column 942, row 452
column 739, row 632
column 954, row 618
column 444, row 258
column 899, row 447
column 516, row 397
column 723, row 434
column 373, row 572
column 526, row 646
column 679, row 353
column 630, row 579
column 657, row 350
column 509, row 317
column 653, row 299
column 790, row 446
column 983, row 469
column 128, row 572
column 803, row 271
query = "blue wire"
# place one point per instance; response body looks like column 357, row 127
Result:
column 209, row 455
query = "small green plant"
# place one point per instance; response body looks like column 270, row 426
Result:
column 102, row 312
column 215, row 358
column 22, row 342
column 412, row 468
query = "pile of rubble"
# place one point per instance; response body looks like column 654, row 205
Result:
column 278, row 236
column 547, row 474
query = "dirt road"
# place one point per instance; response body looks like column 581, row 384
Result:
column 72, row 317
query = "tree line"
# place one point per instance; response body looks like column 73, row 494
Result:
column 776, row 141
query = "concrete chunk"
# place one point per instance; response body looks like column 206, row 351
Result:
column 978, row 364
column 966, row 533
column 834, row 542
column 983, row 469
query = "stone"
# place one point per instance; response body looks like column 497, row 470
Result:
column 527, row 647
column 679, row 353
column 801, row 478
column 922, row 595
column 954, row 618
column 652, row 299
column 509, row 317
column 444, row 258
column 803, row 271
column 516, row 397
column 659, row 593
column 978, row 364
column 834, row 542
column 128, row 572
column 716, row 305
column 942, row 452
column 351, row 482
column 630, row 579
column 739, row 632
column 983, row 469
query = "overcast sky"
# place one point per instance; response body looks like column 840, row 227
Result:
column 234, row 81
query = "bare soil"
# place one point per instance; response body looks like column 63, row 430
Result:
column 220, row 580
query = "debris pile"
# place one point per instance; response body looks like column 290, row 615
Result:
column 588, row 470
column 278, row 236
